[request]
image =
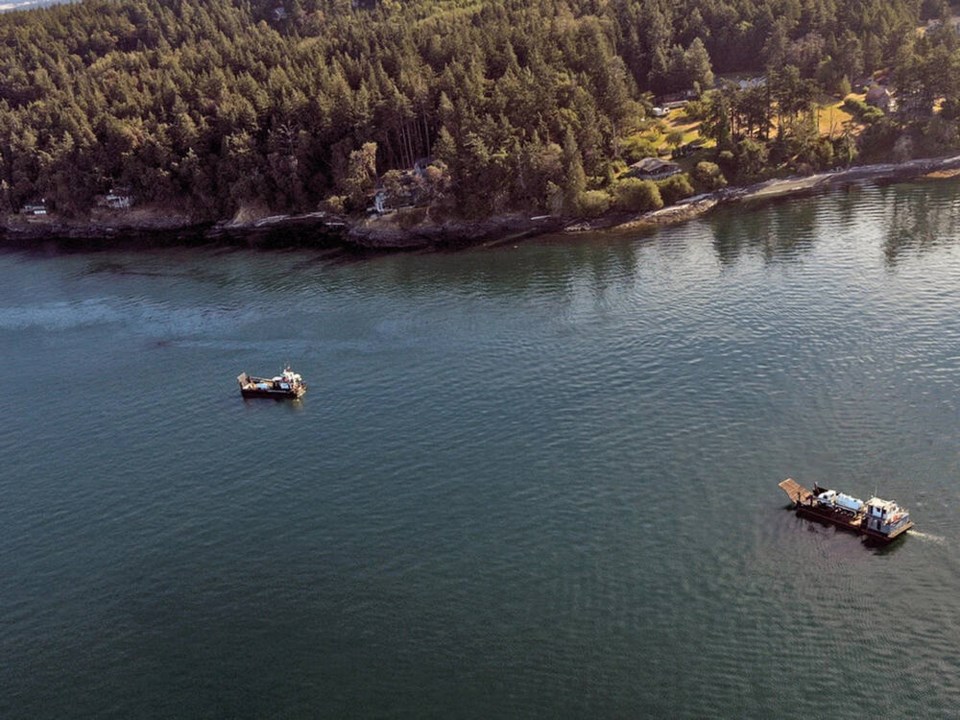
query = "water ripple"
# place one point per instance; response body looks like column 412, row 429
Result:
column 532, row 481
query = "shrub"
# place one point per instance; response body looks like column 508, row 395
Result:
column 637, row 148
column 675, row 188
column 594, row 203
column 696, row 110
column 708, row 177
column 855, row 106
column 636, row 195
column 873, row 115
column 867, row 114
column 336, row 204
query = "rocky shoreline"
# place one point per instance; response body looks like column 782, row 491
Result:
column 693, row 207
column 389, row 232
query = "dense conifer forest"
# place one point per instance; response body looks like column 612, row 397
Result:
column 296, row 105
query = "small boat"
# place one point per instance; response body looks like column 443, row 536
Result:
column 286, row 385
column 877, row 519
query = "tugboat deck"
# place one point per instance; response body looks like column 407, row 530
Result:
column 797, row 493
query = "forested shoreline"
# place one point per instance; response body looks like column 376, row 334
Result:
column 219, row 107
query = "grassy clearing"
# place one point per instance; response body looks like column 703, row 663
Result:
column 831, row 117
column 678, row 121
column 654, row 134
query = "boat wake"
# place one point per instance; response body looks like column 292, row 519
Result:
column 926, row 537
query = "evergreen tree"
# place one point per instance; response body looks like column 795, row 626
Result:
column 575, row 179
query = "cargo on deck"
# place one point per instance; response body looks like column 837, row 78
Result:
column 286, row 385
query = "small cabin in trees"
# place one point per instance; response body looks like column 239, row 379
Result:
column 401, row 188
column 34, row 208
column 880, row 97
column 651, row 168
column 116, row 200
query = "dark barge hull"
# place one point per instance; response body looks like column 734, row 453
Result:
column 874, row 536
column 806, row 506
column 853, row 524
column 271, row 394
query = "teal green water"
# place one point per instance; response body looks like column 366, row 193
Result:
column 528, row 481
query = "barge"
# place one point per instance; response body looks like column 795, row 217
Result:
column 287, row 385
column 879, row 520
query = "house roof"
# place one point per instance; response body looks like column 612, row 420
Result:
column 652, row 166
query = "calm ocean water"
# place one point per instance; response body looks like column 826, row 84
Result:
column 530, row 481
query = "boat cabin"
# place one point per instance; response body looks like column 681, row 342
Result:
column 885, row 516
